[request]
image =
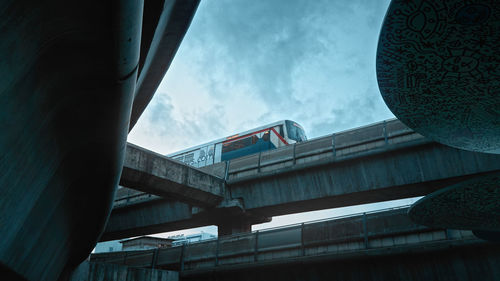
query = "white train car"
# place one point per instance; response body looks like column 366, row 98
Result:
column 263, row 138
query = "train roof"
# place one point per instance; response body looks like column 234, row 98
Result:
column 225, row 138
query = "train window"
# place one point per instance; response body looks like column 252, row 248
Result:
column 201, row 156
column 266, row 135
column 295, row 132
column 189, row 158
column 255, row 139
column 235, row 145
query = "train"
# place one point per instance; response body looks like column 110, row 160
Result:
column 263, row 138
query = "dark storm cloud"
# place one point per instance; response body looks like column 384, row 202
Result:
column 159, row 121
column 244, row 63
column 251, row 41
column 355, row 113
column 269, row 44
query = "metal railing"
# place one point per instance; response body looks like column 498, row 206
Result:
column 360, row 229
column 360, row 142
column 336, row 147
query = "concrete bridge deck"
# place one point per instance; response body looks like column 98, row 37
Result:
column 379, row 162
column 156, row 174
column 372, row 235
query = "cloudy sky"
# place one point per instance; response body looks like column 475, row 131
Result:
column 243, row 64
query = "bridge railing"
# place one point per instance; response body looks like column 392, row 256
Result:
column 374, row 138
column 339, row 235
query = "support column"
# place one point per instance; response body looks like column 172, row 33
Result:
column 234, row 226
column 230, row 217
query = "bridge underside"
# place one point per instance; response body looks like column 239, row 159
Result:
column 464, row 263
column 402, row 172
column 383, row 245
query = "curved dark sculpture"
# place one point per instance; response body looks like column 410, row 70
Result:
column 71, row 73
column 164, row 25
column 493, row 236
column 68, row 73
column 67, row 88
column 471, row 205
column 438, row 69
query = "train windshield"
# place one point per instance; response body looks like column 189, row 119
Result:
column 295, row 131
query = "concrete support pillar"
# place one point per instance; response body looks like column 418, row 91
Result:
column 230, row 217
column 234, row 226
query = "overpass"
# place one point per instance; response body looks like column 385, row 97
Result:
column 362, row 239
column 153, row 173
column 379, row 162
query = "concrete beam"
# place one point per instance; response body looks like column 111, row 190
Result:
column 153, row 217
column 460, row 259
column 153, row 173
column 400, row 172
column 378, row 234
column 393, row 173
column 143, row 214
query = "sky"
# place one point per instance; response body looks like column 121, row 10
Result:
column 243, row 64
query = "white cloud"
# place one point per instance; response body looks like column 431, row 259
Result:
column 243, row 64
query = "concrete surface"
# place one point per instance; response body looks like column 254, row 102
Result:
column 471, row 205
column 365, row 239
column 468, row 263
column 67, row 83
column 156, row 174
column 92, row 271
column 378, row 162
column 438, row 68
column 67, row 86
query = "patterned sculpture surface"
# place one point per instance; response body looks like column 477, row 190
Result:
column 438, row 69
column 472, row 204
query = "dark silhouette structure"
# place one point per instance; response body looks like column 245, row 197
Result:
column 75, row 77
column 72, row 75
column 438, row 69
